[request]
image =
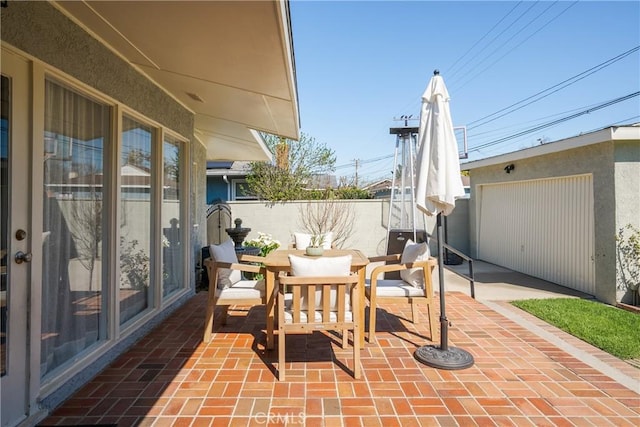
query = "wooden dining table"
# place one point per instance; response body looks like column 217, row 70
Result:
column 278, row 261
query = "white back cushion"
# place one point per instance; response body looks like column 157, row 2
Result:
column 414, row 252
column 225, row 252
column 323, row 266
column 303, row 240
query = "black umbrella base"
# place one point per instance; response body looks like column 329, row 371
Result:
column 451, row 359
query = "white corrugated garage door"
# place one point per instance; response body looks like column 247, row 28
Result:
column 543, row 228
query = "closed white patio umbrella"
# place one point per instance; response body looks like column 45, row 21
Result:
column 438, row 185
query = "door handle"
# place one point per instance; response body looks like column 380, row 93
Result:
column 22, row 257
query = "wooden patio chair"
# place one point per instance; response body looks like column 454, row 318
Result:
column 415, row 286
column 302, row 240
column 228, row 286
column 308, row 301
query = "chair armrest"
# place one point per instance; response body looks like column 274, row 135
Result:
column 250, row 258
column 385, row 258
column 431, row 262
column 250, row 268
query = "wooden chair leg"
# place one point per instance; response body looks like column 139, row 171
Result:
column 208, row 321
column 281, row 350
column 372, row 320
column 225, row 311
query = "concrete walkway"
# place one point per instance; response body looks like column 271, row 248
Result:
column 495, row 286
column 495, row 283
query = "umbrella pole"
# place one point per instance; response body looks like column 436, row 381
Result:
column 443, row 357
column 444, row 323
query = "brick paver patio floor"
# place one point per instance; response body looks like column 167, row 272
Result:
column 170, row 378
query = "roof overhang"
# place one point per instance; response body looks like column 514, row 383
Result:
column 614, row 133
column 230, row 62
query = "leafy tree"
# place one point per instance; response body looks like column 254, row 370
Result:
column 295, row 163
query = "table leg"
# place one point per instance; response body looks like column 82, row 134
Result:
column 270, row 281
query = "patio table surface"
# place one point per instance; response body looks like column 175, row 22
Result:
column 520, row 378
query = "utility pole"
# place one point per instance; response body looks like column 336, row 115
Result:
column 357, row 161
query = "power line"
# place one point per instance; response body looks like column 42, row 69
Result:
column 514, row 47
column 496, row 37
column 555, row 122
column 453, row 73
column 503, row 148
column 451, row 68
column 575, row 79
column 623, row 121
column 361, row 162
column 485, row 134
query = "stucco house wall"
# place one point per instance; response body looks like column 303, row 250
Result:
column 627, row 183
column 95, row 65
column 69, row 49
column 615, row 168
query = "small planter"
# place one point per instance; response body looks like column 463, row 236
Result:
column 315, row 251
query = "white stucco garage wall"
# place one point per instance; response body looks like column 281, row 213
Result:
column 610, row 155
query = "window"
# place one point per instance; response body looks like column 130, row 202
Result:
column 172, row 259
column 136, row 212
column 77, row 135
column 78, row 286
column 240, row 190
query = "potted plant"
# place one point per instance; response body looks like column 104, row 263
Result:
column 315, row 247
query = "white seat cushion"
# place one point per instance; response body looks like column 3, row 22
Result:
column 243, row 289
column 394, row 288
column 414, row 252
column 225, row 252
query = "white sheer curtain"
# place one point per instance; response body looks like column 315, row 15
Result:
column 76, row 131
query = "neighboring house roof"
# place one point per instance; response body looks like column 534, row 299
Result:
column 229, row 169
column 612, row 133
column 206, row 56
column 383, row 184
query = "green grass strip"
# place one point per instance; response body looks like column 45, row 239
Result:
column 609, row 328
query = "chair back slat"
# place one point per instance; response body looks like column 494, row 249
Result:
column 330, row 311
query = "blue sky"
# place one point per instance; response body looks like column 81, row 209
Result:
column 362, row 64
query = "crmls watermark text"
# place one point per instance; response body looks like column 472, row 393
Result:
column 288, row 418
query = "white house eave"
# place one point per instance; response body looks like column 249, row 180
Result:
column 219, row 83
